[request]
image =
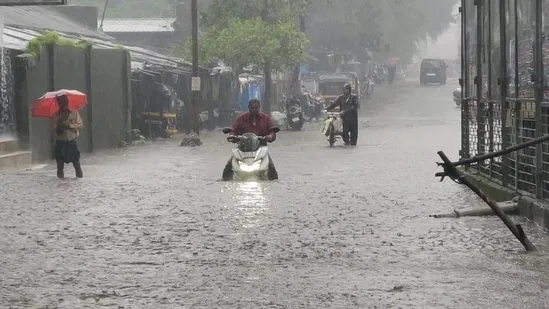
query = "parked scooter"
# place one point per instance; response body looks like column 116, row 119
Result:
column 456, row 94
column 369, row 86
column 379, row 74
column 250, row 159
column 294, row 114
column 315, row 107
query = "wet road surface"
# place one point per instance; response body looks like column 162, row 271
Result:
column 152, row 227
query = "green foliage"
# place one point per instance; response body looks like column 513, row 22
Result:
column 241, row 33
column 35, row 45
column 220, row 12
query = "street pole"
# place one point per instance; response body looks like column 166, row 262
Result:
column 267, row 74
column 195, row 84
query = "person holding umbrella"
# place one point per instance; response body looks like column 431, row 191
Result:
column 61, row 107
column 67, row 124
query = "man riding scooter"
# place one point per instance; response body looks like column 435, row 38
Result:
column 253, row 121
column 348, row 107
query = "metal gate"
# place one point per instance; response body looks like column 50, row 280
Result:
column 504, row 53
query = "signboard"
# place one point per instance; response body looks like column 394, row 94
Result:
column 195, row 83
column 31, row 2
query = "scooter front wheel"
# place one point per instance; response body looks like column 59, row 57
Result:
column 331, row 135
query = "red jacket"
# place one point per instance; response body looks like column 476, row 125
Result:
column 262, row 127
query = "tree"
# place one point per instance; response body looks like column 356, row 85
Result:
column 261, row 33
column 357, row 25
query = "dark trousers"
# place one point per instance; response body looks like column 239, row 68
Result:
column 61, row 169
column 391, row 72
column 67, row 152
column 350, row 131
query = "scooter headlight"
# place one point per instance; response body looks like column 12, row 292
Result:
column 249, row 167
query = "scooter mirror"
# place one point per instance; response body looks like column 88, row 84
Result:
column 276, row 129
column 226, row 130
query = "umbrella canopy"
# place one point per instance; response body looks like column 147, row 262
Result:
column 46, row 106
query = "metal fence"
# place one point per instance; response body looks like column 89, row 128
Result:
column 505, row 80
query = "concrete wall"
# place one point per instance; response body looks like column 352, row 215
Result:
column 69, row 72
column 37, row 83
column 110, row 75
column 100, row 73
column 531, row 208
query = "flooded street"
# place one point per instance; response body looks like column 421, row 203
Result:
column 153, row 227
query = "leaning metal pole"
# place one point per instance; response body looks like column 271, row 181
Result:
column 502, row 152
column 451, row 171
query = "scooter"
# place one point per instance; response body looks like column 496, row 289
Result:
column 456, row 94
column 369, row 86
column 379, row 74
column 250, row 159
column 294, row 115
column 314, row 108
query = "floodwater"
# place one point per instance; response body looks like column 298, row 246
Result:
column 152, row 227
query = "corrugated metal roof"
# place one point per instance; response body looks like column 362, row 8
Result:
column 137, row 25
column 22, row 24
column 44, row 18
column 17, row 38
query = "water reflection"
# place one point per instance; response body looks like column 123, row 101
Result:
column 249, row 203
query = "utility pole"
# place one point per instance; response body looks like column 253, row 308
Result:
column 267, row 77
column 195, row 84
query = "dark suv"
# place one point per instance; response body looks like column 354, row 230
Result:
column 432, row 71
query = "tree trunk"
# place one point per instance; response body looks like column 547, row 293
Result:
column 236, row 95
column 268, row 88
column 266, row 67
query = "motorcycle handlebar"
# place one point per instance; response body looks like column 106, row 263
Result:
column 237, row 138
column 325, row 112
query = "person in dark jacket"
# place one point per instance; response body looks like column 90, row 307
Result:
column 348, row 107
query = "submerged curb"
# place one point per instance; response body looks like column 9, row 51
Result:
column 529, row 207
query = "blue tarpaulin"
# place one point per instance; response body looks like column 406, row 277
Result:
column 251, row 91
column 303, row 69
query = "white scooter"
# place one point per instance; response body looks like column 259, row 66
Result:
column 250, row 160
column 456, row 95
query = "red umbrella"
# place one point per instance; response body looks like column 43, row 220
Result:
column 46, row 106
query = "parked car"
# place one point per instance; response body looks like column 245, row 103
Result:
column 433, row 71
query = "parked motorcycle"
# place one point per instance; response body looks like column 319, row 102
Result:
column 294, row 114
column 369, row 86
column 314, row 108
column 456, row 94
column 250, row 159
column 379, row 74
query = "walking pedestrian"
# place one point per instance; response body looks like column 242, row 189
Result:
column 67, row 126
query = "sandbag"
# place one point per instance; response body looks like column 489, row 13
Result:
column 337, row 123
column 279, row 119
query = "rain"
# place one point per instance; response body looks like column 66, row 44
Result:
column 152, row 225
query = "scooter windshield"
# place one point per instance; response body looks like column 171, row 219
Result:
column 249, row 143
